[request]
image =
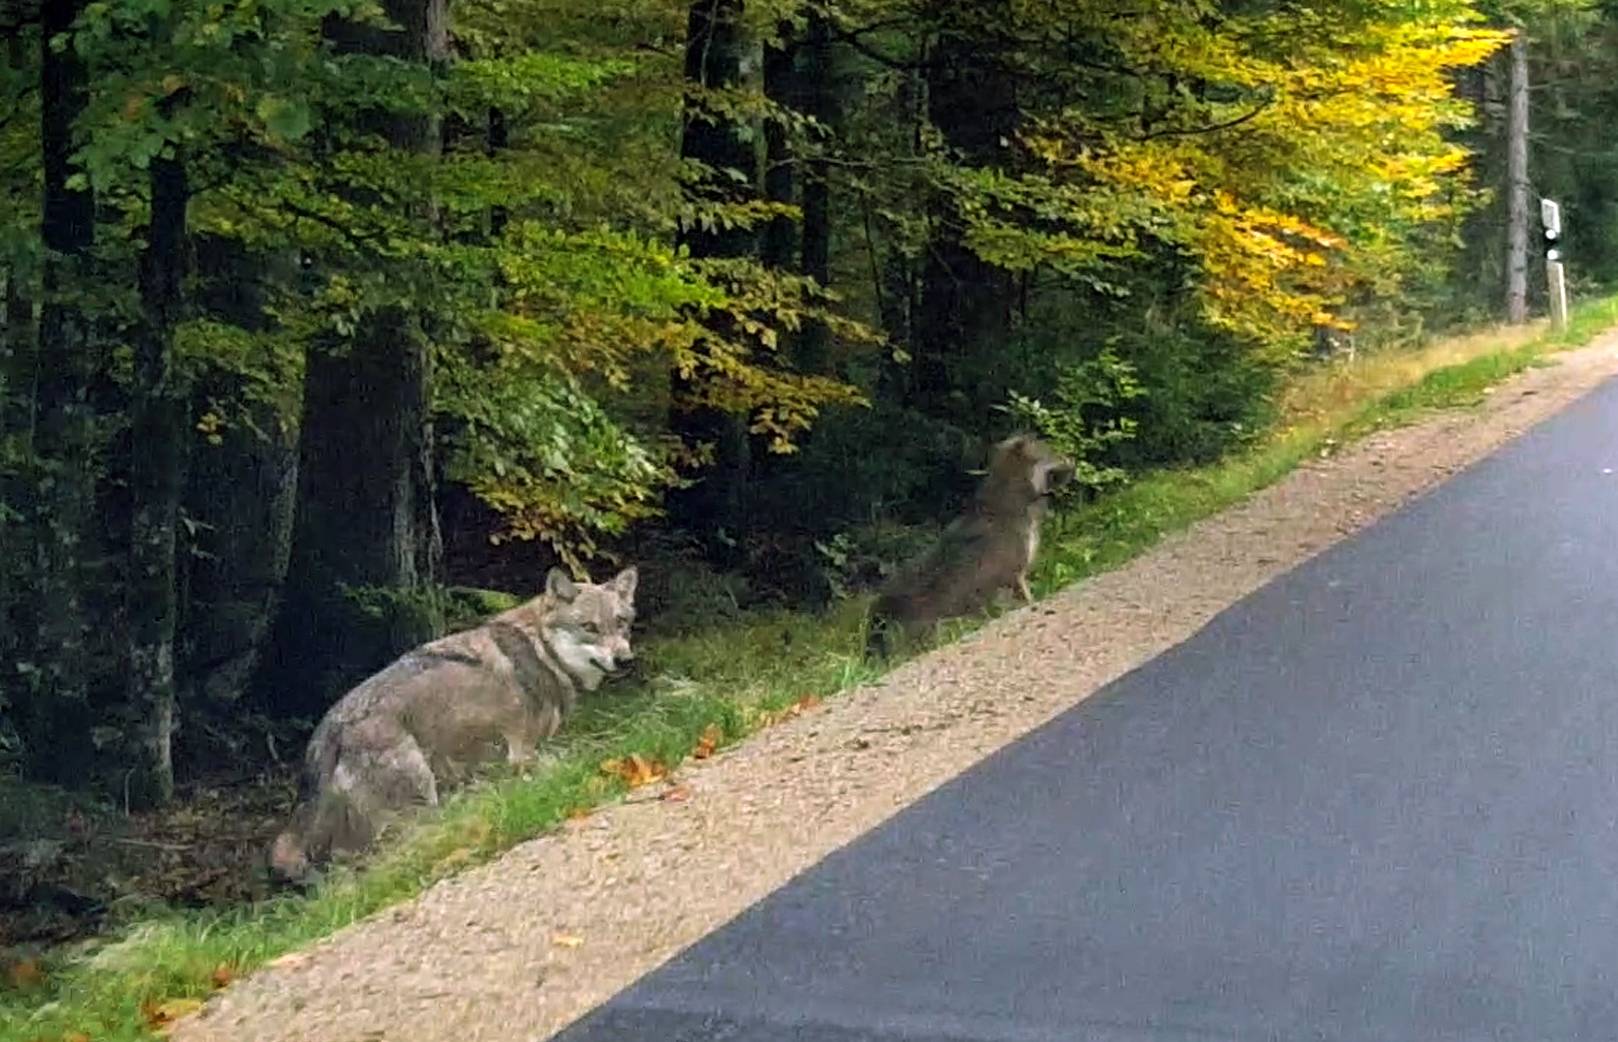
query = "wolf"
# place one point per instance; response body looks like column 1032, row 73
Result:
column 448, row 705
column 988, row 548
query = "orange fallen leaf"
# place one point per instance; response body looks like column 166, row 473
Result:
column 798, row 708
column 677, row 794
column 567, row 940
column 222, row 975
column 160, row 1016
column 24, row 974
column 708, row 742
column 75, row 1036
column 635, row 770
column 578, row 813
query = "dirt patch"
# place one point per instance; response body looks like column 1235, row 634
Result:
column 519, row 948
column 67, row 863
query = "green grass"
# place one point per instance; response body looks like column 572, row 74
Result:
column 732, row 679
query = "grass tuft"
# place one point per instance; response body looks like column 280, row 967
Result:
column 730, row 681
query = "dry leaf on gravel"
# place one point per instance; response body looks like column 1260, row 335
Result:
column 222, row 975
column 160, row 1016
column 677, row 794
column 798, row 708
column 712, row 735
column 567, row 940
column 635, row 770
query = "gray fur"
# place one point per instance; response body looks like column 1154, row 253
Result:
column 988, row 548
column 449, row 705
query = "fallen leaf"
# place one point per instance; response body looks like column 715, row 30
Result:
column 222, row 975
column 567, row 940
column 798, row 708
column 75, row 1036
column 25, row 974
column 288, row 960
column 160, row 1017
column 677, row 794
column 708, row 742
column 635, row 770
column 578, row 813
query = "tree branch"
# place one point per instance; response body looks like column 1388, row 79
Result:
column 1211, row 128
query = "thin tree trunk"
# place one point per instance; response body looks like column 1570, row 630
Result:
column 716, row 46
column 820, row 103
column 53, row 624
column 1518, row 186
column 780, row 245
column 497, row 141
column 16, row 422
column 966, row 304
column 156, row 483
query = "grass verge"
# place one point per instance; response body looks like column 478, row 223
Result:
column 714, row 688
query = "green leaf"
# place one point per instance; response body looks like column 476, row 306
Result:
column 284, row 118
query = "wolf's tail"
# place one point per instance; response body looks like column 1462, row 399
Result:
column 325, row 818
column 333, row 820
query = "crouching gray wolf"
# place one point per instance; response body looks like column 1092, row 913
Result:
column 989, row 548
column 449, row 704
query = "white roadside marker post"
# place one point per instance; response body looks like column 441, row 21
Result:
column 1550, row 215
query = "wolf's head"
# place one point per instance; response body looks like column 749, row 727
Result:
column 587, row 625
column 1022, row 471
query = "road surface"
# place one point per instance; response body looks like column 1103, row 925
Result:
column 1375, row 801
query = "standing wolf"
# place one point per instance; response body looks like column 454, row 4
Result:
column 449, row 704
column 987, row 549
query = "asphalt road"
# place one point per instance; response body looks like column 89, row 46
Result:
column 1375, row 801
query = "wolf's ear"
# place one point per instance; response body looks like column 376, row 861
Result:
column 559, row 585
column 625, row 582
column 1052, row 476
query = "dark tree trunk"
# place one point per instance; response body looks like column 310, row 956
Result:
column 966, row 303
column 499, row 139
column 715, row 49
column 16, row 423
column 780, row 246
column 1517, row 185
column 365, row 514
column 158, row 435
column 52, row 622
column 819, row 101
column 242, row 490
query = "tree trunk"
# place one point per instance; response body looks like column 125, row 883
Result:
column 16, row 422
column 53, row 622
column 1518, row 186
column 715, row 54
column 365, row 515
column 241, row 489
column 158, row 434
column 819, row 102
column 966, row 304
column 780, row 245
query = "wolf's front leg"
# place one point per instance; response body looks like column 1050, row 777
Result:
column 1022, row 588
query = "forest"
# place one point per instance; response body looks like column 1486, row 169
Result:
column 329, row 323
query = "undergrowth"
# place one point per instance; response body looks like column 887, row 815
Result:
column 715, row 687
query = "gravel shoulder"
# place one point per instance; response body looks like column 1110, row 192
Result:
column 520, row 947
